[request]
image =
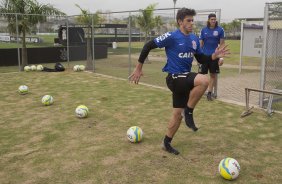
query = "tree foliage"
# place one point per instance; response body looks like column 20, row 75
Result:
column 275, row 10
column 146, row 20
column 24, row 14
column 86, row 18
column 231, row 28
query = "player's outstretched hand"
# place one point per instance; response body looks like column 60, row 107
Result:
column 135, row 76
column 222, row 51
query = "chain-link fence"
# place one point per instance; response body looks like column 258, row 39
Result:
column 23, row 43
column 110, row 43
column 123, row 56
column 271, row 73
column 80, row 39
column 260, row 62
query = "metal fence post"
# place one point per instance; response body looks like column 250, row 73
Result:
column 263, row 61
column 19, row 54
column 129, row 45
column 68, row 49
column 93, row 45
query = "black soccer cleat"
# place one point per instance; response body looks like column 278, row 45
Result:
column 167, row 147
column 209, row 97
column 189, row 120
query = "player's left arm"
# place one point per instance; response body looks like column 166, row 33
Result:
column 221, row 43
column 220, row 52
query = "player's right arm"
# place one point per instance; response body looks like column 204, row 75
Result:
column 137, row 73
column 201, row 37
column 159, row 42
column 201, row 43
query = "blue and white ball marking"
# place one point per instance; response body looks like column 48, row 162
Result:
column 229, row 168
column 81, row 111
column 135, row 134
column 23, row 89
column 47, row 100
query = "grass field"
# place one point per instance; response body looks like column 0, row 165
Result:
column 48, row 144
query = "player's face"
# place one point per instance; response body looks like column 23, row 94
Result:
column 212, row 21
column 187, row 24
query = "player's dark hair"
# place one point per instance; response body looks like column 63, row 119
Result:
column 210, row 16
column 183, row 12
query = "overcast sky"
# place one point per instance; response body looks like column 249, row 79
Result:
column 230, row 9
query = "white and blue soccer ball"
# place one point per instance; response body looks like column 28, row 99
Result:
column 81, row 67
column 39, row 67
column 23, row 89
column 134, row 134
column 47, row 100
column 76, row 68
column 81, row 111
column 27, row 68
column 229, row 168
column 33, row 68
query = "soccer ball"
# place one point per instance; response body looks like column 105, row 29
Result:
column 81, row 111
column 33, row 67
column 23, row 89
column 134, row 134
column 39, row 68
column 47, row 100
column 81, row 67
column 27, row 68
column 76, row 68
column 229, row 168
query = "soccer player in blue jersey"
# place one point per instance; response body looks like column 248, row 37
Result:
column 187, row 88
column 211, row 36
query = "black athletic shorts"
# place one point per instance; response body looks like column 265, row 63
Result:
column 180, row 85
column 211, row 66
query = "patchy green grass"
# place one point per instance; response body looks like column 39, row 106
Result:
column 48, row 144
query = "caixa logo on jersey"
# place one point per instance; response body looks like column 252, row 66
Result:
column 185, row 55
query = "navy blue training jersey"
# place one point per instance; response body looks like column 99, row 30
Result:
column 211, row 38
column 180, row 50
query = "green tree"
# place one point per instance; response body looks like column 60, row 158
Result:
column 235, row 26
column 159, row 23
column 275, row 10
column 146, row 20
column 231, row 28
column 17, row 12
column 226, row 27
column 86, row 18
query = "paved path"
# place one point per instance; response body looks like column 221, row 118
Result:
column 233, row 88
